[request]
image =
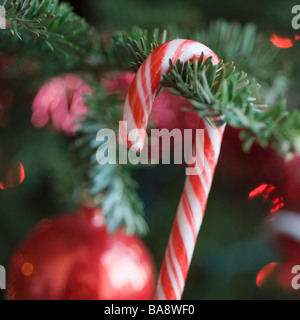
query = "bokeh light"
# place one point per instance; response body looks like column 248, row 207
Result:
column 269, row 193
column 264, row 273
column 27, row 269
column 13, row 177
column 283, row 43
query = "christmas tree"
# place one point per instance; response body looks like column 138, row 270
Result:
column 65, row 71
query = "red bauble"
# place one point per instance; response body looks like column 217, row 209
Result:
column 289, row 249
column 75, row 258
column 238, row 169
column 291, row 185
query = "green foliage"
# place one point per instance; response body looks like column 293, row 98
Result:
column 129, row 50
column 118, row 197
column 245, row 45
column 221, row 93
column 223, row 90
column 252, row 52
column 49, row 22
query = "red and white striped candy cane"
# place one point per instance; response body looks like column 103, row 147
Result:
column 191, row 209
column 145, row 85
column 188, row 219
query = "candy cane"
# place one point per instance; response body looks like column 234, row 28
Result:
column 191, row 209
column 188, row 220
column 146, row 83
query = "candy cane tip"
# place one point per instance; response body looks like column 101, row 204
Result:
column 138, row 146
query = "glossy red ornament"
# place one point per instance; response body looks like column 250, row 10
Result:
column 291, row 185
column 75, row 258
column 289, row 249
column 238, row 169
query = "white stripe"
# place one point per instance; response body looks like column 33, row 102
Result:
column 201, row 170
column 142, row 95
column 287, row 223
column 208, row 173
column 172, row 46
column 127, row 116
column 185, row 231
column 172, row 277
column 203, row 182
column 122, row 134
column 194, row 49
column 149, row 80
column 176, row 265
column 215, row 139
column 160, row 291
column 195, row 205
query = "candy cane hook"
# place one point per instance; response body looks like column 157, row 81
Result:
column 192, row 205
column 146, row 83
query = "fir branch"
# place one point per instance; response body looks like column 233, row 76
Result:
column 250, row 49
column 223, row 94
column 53, row 23
column 129, row 50
column 120, row 202
column 222, row 90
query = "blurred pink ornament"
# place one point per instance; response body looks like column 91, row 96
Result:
column 61, row 101
column 118, row 83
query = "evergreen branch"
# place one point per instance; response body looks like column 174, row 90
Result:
column 129, row 50
column 250, row 49
column 222, row 90
column 245, row 45
column 223, row 94
column 56, row 25
column 120, row 202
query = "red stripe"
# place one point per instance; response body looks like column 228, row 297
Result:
column 156, row 66
column 210, row 157
column 181, row 49
column 198, row 158
column 148, row 100
column 180, row 250
column 173, row 267
column 167, row 283
column 199, row 191
column 136, row 106
column 188, row 212
column 122, row 131
column 124, row 134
